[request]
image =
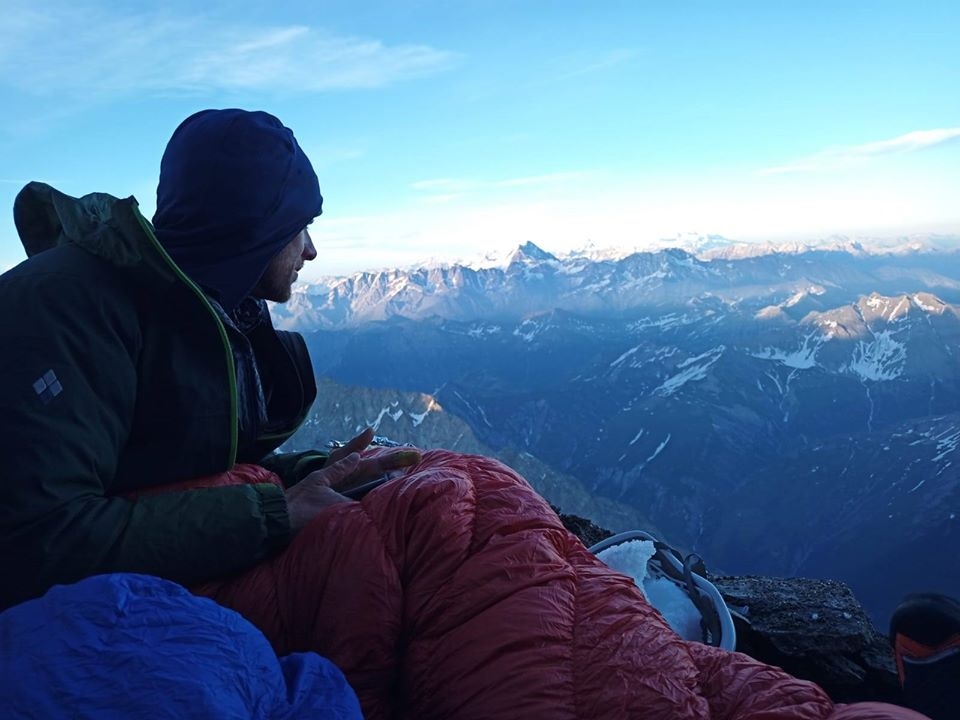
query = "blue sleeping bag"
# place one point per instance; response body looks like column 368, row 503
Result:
column 134, row 646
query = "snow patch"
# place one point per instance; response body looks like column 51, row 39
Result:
column 692, row 369
column 881, row 303
column 527, row 330
column 803, row 294
column 664, row 322
column 417, row 418
column 902, row 305
column 946, row 444
column 656, row 452
column 802, row 359
column 475, row 408
column 376, row 423
column 665, row 352
column 776, row 382
column 882, row 358
column 625, row 355
column 480, row 331
column 923, row 306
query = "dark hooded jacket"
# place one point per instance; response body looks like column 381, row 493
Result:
column 117, row 374
column 235, row 186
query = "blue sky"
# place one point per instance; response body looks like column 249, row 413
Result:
column 448, row 129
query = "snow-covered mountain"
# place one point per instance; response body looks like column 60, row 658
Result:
column 772, row 412
column 901, row 245
column 531, row 280
column 711, row 247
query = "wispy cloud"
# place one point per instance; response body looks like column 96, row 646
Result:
column 839, row 158
column 462, row 186
column 325, row 155
column 445, row 190
column 610, row 60
column 85, row 51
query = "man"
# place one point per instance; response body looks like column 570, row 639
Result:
column 129, row 362
column 142, row 389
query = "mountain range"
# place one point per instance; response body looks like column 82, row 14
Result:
column 789, row 413
column 531, row 281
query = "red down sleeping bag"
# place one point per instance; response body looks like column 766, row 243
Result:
column 455, row 593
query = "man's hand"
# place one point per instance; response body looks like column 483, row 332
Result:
column 369, row 468
column 312, row 494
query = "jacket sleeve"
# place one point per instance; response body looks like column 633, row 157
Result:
column 68, row 380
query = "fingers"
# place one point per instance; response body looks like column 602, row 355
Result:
column 334, row 474
column 399, row 459
column 373, row 467
column 357, row 444
column 366, row 469
column 360, row 442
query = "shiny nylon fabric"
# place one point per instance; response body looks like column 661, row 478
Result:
column 135, row 646
column 454, row 592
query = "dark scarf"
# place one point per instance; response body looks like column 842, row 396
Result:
column 235, row 188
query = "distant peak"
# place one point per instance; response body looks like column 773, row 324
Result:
column 528, row 252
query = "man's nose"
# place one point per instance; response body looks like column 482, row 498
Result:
column 309, row 251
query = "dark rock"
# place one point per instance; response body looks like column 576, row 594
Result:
column 813, row 629
column 588, row 531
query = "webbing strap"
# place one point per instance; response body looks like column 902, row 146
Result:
column 916, row 652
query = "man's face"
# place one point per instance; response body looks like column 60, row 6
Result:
column 277, row 280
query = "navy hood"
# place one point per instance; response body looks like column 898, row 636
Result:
column 234, row 190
